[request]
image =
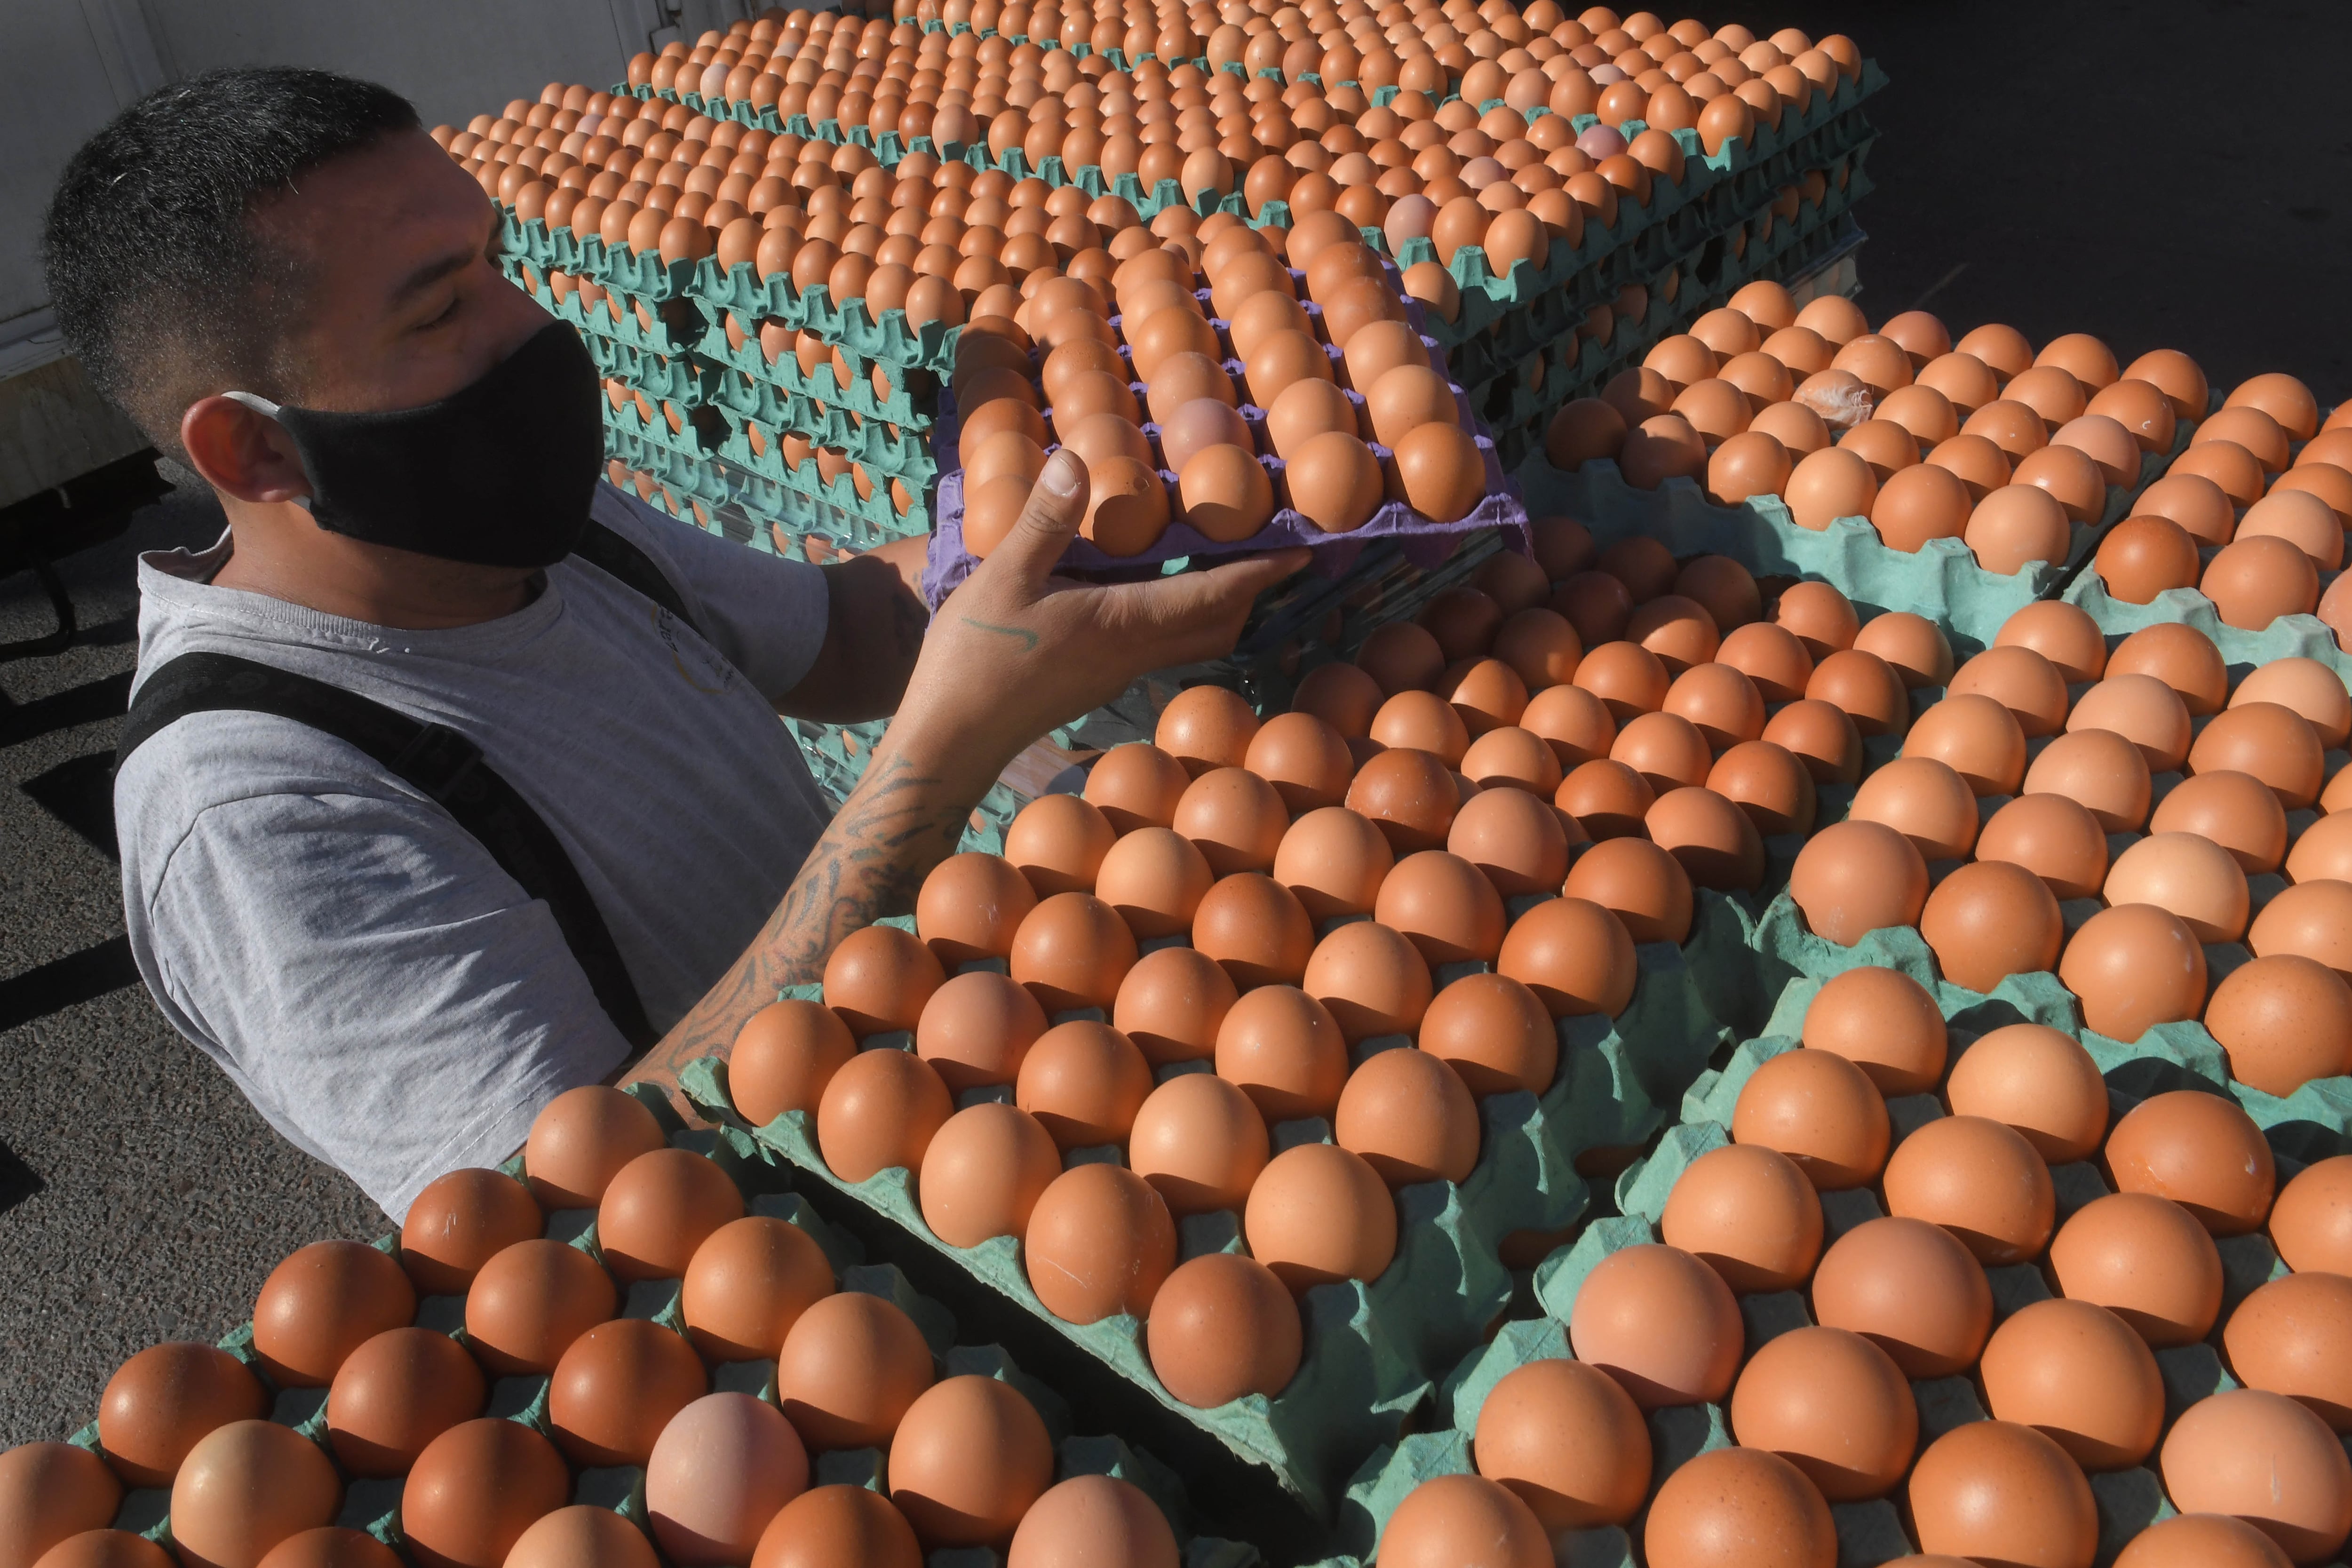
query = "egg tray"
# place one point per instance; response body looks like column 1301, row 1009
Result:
column 1371, row 1348
column 681, row 378
column 891, row 340
column 646, row 274
column 898, row 452
column 665, row 338
column 736, row 451
column 1181, row 545
column 908, row 409
column 2289, row 636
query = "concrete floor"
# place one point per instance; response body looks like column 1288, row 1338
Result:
column 2161, row 175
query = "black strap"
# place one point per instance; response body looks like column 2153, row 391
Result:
column 439, row 762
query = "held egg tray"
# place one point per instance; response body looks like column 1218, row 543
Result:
column 892, row 340
column 1371, row 1348
column 901, row 453
column 905, row 408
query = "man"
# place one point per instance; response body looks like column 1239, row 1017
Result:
column 289, row 286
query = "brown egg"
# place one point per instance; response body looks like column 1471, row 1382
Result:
column 1409, row 795
column 1989, row 921
column 1819, row 617
column 1334, row 861
column 2289, row 1337
column 2202, row 1541
column 1576, row 725
column 1424, row 722
column 1833, row 1405
column 2021, row 680
column 120, row 1549
column 52, row 1492
column 1486, row 695
column 2055, row 837
column 2307, row 919
column 1134, row 785
column 581, row 1138
column 1919, row 503
column 1403, row 656
column 2264, row 1458
column 1098, row 1244
column 1234, row 818
column 663, row 1205
column 2038, row 1083
column 1822, row 1111
column 397, row 1392
column 2305, row 686
column 1538, row 645
column 1854, row 877
column 2061, row 632
column 458, row 1221
column 1443, row 905
column 1884, row 1021
column 747, row 1285
column 2271, row 741
column 530, row 1301
column 1371, row 980
column 1199, row 1141
column 1303, row 758
column 977, row 1027
column 1285, row 1050
column 1662, row 1323
column 1224, row 1327
column 1094, row 1519
column 1495, row 1032
column 1720, row 701
column 2141, row 557
column 1710, row 837
column 2134, row 967
column 159, row 1403
column 2234, row 809
column 1442, row 1517
column 1865, row 688
column 1058, row 842
column 1999, row 1491
column 784, row 1056
column 1978, row 1179
column 2142, row 710
column 1771, row 657
column 850, row 1366
column 2311, row 1222
column 616, row 1388
column 2180, row 655
column 1256, row 929
column 1318, row 1215
column 1628, row 679
column 2200, row 1151
column 878, row 978
column 1976, row 737
column 1342, row 696
column 2145, row 1258
column 1748, row 1212
column 1925, row 801
column 1509, row 757
column 1911, row 645
column 320, row 1304
column 1724, row 1500
column 2188, row 874
column 1083, row 1082
column 969, row 1457
column 2100, row 771
column 971, row 903
column 1576, row 955
column 2304, row 519
column 1766, row 780
column 1821, row 736
column 1665, row 749
column 1829, row 484
column 2257, row 578
column 248, row 1485
column 1912, row 1290
column 1640, row 883
column 1071, row 951
column 579, row 1536
column 1412, row 1118
column 1569, row 1441
column 878, row 1112
column 1207, row 727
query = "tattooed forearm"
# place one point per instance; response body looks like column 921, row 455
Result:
column 899, row 822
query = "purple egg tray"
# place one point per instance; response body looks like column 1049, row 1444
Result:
column 1424, row 542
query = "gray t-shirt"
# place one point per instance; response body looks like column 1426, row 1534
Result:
column 355, row 960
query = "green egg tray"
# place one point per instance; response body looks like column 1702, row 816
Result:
column 903, row 408
column 1374, row 1349
column 890, row 341
column 903, row 454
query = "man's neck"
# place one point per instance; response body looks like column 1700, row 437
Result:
column 278, row 550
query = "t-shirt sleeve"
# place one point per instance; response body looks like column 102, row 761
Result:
column 764, row 614
column 384, row 990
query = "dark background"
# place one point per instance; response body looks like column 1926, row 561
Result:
column 2162, row 175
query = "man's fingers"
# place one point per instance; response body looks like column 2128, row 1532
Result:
column 1198, row 615
column 1057, row 504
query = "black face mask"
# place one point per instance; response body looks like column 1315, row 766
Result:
column 500, row 473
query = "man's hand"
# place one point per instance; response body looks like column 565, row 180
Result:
column 1011, row 653
column 1016, row 650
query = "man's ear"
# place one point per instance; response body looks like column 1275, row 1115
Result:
column 241, row 451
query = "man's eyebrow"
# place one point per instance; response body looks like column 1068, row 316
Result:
column 432, row 272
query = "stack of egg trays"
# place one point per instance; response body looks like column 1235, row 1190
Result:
column 1941, row 581
column 1181, row 545
column 889, row 433
column 1373, row 1349
column 373, row 1505
column 2309, row 1125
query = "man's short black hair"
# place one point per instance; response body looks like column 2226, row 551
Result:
column 157, row 278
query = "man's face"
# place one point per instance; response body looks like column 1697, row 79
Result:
column 400, row 302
